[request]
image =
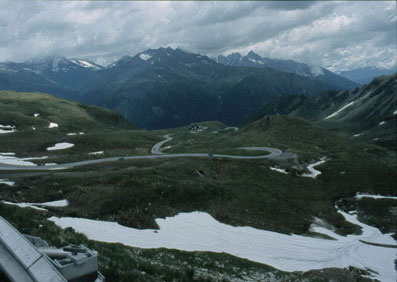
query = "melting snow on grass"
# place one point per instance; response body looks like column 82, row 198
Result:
column 282, row 170
column 60, row 146
column 338, row 111
column 7, row 182
column 7, row 129
column 360, row 196
column 198, row 231
column 314, row 172
column 9, row 158
column 96, row 153
column 231, row 127
column 59, row 203
column 52, row 125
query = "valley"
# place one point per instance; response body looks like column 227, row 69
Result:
column 198, row 141
column 279, row 176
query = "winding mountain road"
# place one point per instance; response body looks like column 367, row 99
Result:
column 157, row 154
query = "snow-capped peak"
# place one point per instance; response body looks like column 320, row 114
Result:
column 144, row 56
column 85, row 64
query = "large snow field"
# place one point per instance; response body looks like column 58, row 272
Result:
column 199, row 231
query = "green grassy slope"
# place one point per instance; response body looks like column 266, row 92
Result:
column 236, row 192
column 102, row 128
column 18, row 109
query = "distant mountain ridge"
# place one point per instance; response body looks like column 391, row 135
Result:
column 366, row 74
column 165, row 87
column 254, row 60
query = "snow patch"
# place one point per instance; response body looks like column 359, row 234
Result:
column 53, row 125
column 360, row 196
column 60, row 146
column 382, row 123
column 34, row 158
column 7, row 182
column 84, row 64
column 144, row 57
column 313, row 172
column 199, row 231
column 10, row 159
column 7, row 129
column 71, row 134
column 359, row 134
column 282, row 170
column 320, row 226
column 255, row 61
column 36, row 115
column 7, row 154
column 96, row 153
column 395, row 113
column 59, row 203
column 338, row 111
column 37, row 206
column 231, row 127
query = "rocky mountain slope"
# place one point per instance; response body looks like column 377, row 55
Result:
column 165, row 87
column 368, row 113
column 254, row 60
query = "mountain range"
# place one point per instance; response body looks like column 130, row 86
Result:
column 254, row 60
column 162, row 88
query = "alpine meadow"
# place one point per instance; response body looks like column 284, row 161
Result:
column 198, row 141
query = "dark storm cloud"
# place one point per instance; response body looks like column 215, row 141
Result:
column 338, row 35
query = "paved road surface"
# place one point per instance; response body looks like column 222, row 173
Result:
column 157, row 154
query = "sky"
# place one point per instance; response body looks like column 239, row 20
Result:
column 336, row 35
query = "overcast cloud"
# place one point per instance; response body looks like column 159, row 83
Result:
column 336, row 35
